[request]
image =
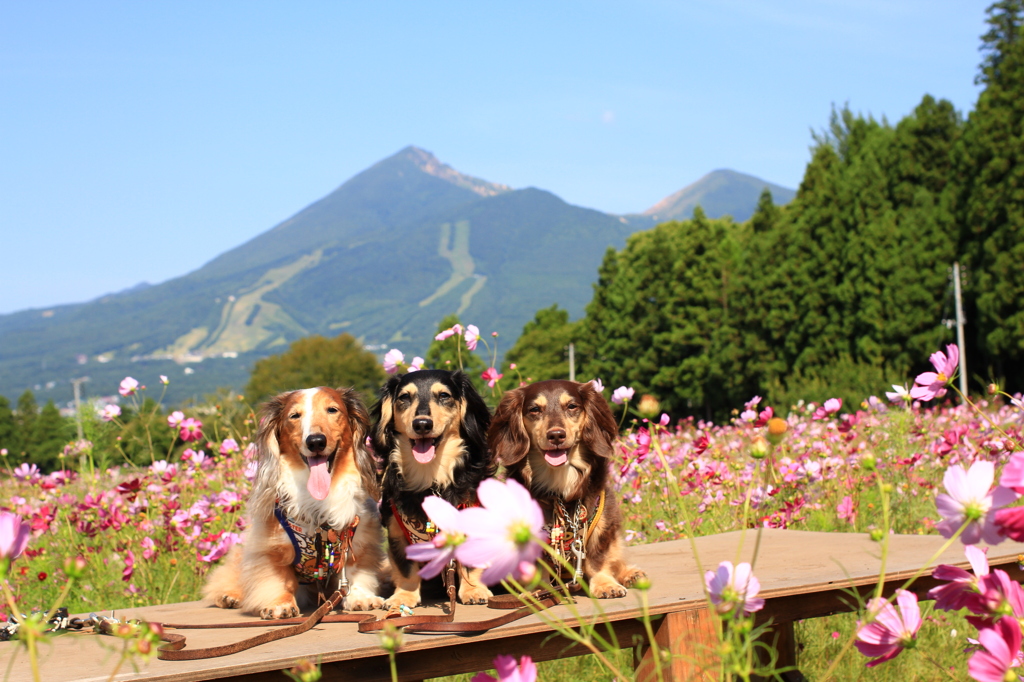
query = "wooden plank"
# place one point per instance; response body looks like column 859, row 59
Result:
column 801, row 575
column 687, row 642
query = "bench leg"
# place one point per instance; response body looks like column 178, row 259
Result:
column 782, row 638
column 690, row 639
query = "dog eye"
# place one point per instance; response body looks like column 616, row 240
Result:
column 533, row 409
column 444, row 396
column 572, row 406
column 294, row 415
column 332, row 410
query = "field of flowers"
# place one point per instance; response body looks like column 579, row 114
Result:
column 148, row 534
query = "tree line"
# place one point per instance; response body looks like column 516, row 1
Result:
column 844, row 290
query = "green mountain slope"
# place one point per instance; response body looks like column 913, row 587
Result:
column 719, row 193
column 385, row 257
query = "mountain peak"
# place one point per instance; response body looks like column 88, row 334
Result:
column 430, row 164
column 720, row 192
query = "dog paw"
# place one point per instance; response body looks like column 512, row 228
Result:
column 606, row 588
column 401, row 598
column 474, row 595
column 632, row 576
column 362, row 602
column 285, row 610
column 228, row 601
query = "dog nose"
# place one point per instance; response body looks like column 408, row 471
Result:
column 422, row 426
column 316, row 442
column 556, row 436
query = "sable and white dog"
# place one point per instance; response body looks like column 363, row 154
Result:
column 314, row 497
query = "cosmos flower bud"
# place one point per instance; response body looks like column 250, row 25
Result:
column 759, row 448
column 868, row 462
column 777, row 428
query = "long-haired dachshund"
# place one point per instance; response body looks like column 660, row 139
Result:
column 556, row 438
column 313, row 517
column 429, row 427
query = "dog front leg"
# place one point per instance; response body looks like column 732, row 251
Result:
column 471, row 588
column 269, row 582
column 403, row 571
column 367, row 554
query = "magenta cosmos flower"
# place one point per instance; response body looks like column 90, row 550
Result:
column 491, row 376
column 13, row 535
column 969, row 498
column 392, row 359
column 962, row 589
column 437, row 553
column 509, row 671
column 1001, row 652
column 504, row 534
column 110, row 412
column 190, row 429
column 892, row 630
column 931, row 385
column 731, row 587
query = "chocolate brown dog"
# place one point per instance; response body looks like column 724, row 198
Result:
column 556, row 438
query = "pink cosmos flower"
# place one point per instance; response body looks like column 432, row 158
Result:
column 931, row 385
column 448, row 333
column 665, row 419
column 128, row 386
column 730, row 588
column 892, row 630
column 962, row 589
column 416, row 364
column 472, row 336
column 508, row 671
column 190, row 429
column 129, row 566
column 491, row 376
column 846, row 511
column 1013, row 473
column 437, row 553
column 596, row 383
column 969, row 497
column 13, row 535
column 229, row 446
column 831, row 406
column 26, row 472
column 1000, row 595
column 148, row 548
column 622, row 394
column 392, row 359
column 175, row 418
column 504, row 533
column 752, row 403
column 1001, row 652
column 110, row 412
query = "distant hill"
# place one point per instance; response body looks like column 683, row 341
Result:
column 385, row 257
column 719, row 193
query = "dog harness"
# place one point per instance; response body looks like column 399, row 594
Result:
column 569, row 532
column 320, row 553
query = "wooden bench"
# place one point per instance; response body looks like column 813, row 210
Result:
column 802, row 574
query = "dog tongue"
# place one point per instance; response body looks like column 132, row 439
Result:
column 423, row 450
column 556, row 458
column 319, row 484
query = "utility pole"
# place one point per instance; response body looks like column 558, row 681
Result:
column 572, row 361
column 77, row 383
column 960, row 329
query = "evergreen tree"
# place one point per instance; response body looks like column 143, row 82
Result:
column 51, row 432
column 541, row 352
column 8, row 426
column 25, row 421
column 316, row 361
column 992, row 201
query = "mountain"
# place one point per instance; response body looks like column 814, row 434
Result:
column 720, row 192
column 385, row 257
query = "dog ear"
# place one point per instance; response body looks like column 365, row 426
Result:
column 268, row 449
column 601, row 429
column 381, row 437
column 476, row 415
column 359, row 422
column 507, row 437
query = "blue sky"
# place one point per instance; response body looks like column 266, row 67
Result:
column 140, row 140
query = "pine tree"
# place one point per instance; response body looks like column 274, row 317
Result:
column 992, row 201
column 25, row 420
column 8, row 426
column 51, row 432
column 541, row 351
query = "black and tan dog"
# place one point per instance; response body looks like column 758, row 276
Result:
column 556, row 438
column 430, row 428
